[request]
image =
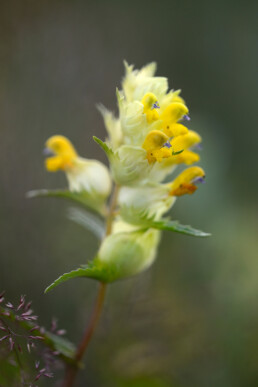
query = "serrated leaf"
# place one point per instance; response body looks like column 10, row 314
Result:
column 142, row 219
column 104, row 146
column 91, row 270
column 81, row 198
column 175, row 226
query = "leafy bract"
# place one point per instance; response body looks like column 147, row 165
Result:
column 174, row 225
column 104, row 146
column 128, row 163
column 121, row 255
column 143, row 220
column 91, row 270
column 82, row 198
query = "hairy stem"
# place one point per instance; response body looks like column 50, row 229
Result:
column 72, row 370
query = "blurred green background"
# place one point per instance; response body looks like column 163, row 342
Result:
column 192, row 319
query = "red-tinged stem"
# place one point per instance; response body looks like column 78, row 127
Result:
column 73, row 370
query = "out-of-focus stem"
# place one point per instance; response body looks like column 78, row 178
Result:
column 111, row 211
column 72, row 370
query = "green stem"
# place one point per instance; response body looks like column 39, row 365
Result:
column 72, row 370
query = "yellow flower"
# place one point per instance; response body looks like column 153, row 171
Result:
column 82, row 174
column 157, row 146
column 150, row 104
column 185, row 141
column 167, row 127
column 186, row 182
column 64, row 154
column 173, row 113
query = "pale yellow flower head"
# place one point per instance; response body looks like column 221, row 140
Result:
column 82, row 174
column 146, row 141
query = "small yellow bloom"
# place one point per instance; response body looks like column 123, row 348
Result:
column 185, row 183
column 150, row 104
column 173, row 113
column 82, row 174
column 63, row 152
column 155, row 144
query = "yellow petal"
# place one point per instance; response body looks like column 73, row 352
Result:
column 64, row 151
column 54, row 164
column 185, row 141
column 185, row 182
column 174, row 112
column 61, row 146
column 186, row 157
column 175, row 130
column 160, row 154
column 154, row 140
column 153, row 144
column 149, row 102
column 152, row 115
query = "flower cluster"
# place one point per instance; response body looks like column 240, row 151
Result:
column 145, row 144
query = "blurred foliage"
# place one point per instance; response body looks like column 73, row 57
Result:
column 192, row 319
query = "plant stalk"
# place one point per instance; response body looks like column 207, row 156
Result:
column 72, row 370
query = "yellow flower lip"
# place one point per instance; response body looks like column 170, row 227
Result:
column 174, row 112
column 150, row 104
column 186, row 182
column 62, row 153
column 157, row 146
column 155, row 140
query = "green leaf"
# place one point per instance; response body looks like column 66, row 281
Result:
column 82, row 198
column 62, row 345
column 92, row 270
column 104, row 146
column 142, row 219
column 175, row 226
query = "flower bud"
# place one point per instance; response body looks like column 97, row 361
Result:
column 125, row 254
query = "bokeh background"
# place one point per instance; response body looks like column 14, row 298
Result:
column 192, row 319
